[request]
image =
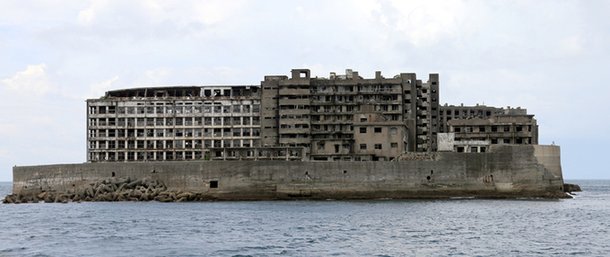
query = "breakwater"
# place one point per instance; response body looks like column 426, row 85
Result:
column 109, row 190
column 505, row 171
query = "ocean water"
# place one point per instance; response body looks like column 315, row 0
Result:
column 466, row 227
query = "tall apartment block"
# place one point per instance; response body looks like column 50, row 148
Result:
column 296, row 117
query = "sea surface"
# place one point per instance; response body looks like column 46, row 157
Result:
column 459, row 227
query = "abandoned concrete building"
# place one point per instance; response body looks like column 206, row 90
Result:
column 342, row 117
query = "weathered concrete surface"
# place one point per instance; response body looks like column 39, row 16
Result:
column 504, row 171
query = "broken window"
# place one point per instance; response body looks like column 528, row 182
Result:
column 362, row 146
column 394, row 145
column 378, row 146
column 362, row 129
column 378, row 130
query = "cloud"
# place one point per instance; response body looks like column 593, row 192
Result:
column 571, row 46
column 8, row 130
column 146, row 12
column 88, row 15
column 4, row 153
column 32, row 81
column 425, row 23
column 98, row 89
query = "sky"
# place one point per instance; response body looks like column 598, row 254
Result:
column 551, row 57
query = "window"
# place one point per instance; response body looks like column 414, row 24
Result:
column 213, row 183
column 377, row 130
column 377, row 146
column 393, row 130
column 362, row 146
column 394, row 145
column 363, row 130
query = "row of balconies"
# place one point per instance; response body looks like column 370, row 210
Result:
column 493, row 134
column 193, row 126
column 172, row 144
column 220, row 114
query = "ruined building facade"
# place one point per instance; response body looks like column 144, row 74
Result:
column 296, row 117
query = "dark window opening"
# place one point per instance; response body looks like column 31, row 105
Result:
column 113, row 174
column 213, row 183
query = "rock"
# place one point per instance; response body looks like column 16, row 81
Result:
column 111, row 189
column 185, row 195
column 42, row 195
column 569, row 188
column 9, row 199
column 89, row 192
column 49, row 198
column 134, row 184
column 164, row 198
column 144, row 197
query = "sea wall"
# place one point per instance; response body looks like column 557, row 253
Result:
column 504, row 171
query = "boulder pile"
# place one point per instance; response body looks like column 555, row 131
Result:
column 569, row 188
column 115, row 189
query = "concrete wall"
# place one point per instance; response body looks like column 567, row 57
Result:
column 505, row 171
